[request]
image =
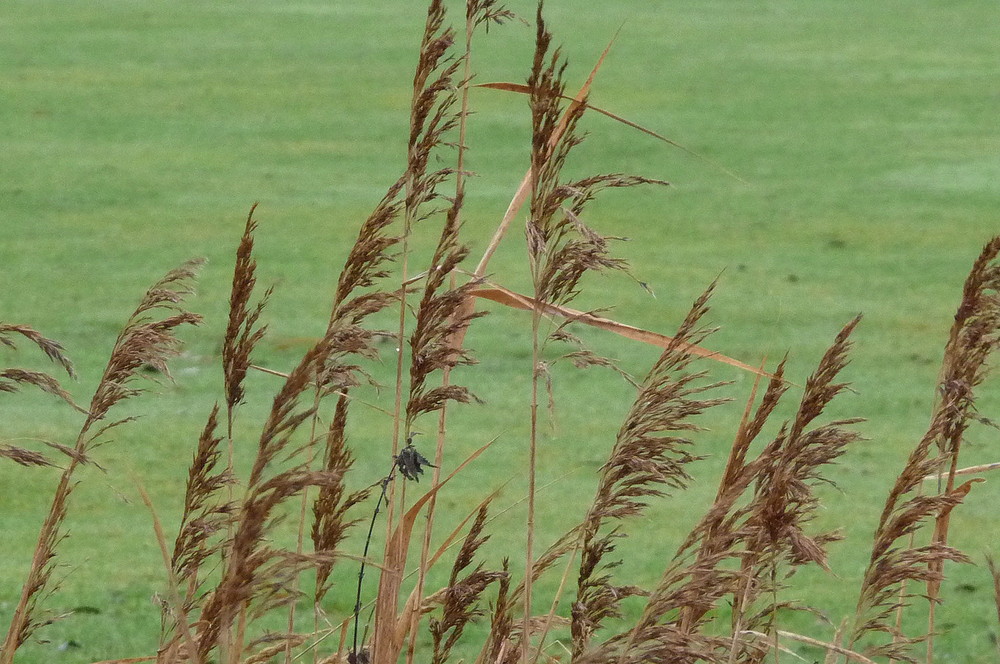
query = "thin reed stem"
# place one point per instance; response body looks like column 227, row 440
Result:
column 529, row 544
column 463, row 121
column 303, row 508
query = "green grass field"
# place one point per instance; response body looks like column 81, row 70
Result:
column 137, row 135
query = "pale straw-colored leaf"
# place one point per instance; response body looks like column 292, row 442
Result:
column 514, row 300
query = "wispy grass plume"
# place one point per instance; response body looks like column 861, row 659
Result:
column 460, row 603
column 561, row 247
column 243, row 330
column 974, row 335
column 146, row 340
column 650, row 456
column 11, row 380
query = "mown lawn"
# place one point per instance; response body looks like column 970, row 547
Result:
column 137, row 135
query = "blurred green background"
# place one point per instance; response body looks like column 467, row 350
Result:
column 135, row 135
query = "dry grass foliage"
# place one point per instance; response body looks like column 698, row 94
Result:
column 719, row 596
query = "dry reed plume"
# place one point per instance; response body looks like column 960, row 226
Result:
column 146, row 340
column 720, row 597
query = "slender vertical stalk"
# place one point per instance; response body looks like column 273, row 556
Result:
column 446, row 372
column 303, row 508
column 397, row 405
column 529, row 544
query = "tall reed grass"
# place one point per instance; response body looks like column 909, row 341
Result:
column 224, row 574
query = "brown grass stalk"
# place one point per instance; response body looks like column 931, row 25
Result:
column 431, row 119
column 146, row 340
column 649, row 457
column 478, row 12
column 974, row 335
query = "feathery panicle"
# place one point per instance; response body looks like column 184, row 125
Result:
column 486, row 12
column 330, row 522
column 501, row 646
column 11, row 379
column 363, row 268
column 647, row 454
column 431, row 113
column 242, row 331
column 651, row 452
column 206, row 513
column 721, row 527
column 460, row 603
column 750, row 428
column 365, row 263
column 561, row 247
column 436, row 326
column 974, row 335
column 432, row 118
column 24, row 457
column 145, row 340
column 287, row 413
column 52, row 349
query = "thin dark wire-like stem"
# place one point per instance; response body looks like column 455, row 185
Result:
column 364, row 556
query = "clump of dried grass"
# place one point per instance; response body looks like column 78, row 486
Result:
column 651, row 454
column 897, row 558
column 561, row 246
column 147, row 339
column 226, row 569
